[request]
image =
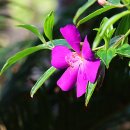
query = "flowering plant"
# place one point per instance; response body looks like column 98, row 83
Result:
column 84, row 66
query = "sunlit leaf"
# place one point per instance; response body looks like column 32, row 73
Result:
column 42, row 79
column 18, row 56
column 48, row 25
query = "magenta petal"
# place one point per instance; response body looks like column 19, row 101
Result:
column 58, row 57
column 92, row 68
column 72, row 36
column 86, row 50
column 81, row 81
column 68, row 79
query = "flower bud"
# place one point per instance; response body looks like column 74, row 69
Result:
column 102, row 2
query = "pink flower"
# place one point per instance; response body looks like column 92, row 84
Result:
column 81, row 64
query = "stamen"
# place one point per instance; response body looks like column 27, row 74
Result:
column 74, row 59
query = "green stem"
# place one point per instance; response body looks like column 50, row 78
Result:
column 52, row 43
column 95, row 49
column 106, row 43
column 118, row 42
column 121, row 40
column 42, row 39
column 49, row 46
column 126, row 35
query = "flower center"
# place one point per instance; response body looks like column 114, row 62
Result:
column 74, row 60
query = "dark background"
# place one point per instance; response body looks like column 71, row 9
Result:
column 52, row 109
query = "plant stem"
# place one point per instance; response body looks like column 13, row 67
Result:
column 95, row 49
column 111, row 21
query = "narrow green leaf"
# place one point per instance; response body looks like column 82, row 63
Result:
column 106, row 55
column 42, row 79
column 94, row 14
column 129, row 64
column 90, row 90
column 21, row 55
column 82, row 9
column 124, row 50
column 91, row 87
column 48, row 25
column 34, row 30
column 59, row 42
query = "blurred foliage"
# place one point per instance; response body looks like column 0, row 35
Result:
column 31, row 10
column 13, row 12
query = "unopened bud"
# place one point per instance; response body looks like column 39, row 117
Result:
column 102, row 2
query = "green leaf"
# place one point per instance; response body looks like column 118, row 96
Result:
column 106, row 55
column 104, row 20
column 115, row 2
column 110, row 22
column 34, row 30
column 59, row 42
column 124, row 50
column 48, row 25
column 94, row 14
column 115, row 39
column 90, row 90
column 82, row 9
column 42, row 79
column 129, row 64
column 123, row 26
column 91, row 87
column 21, row 55
column 108, row 34
column 126, row 1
